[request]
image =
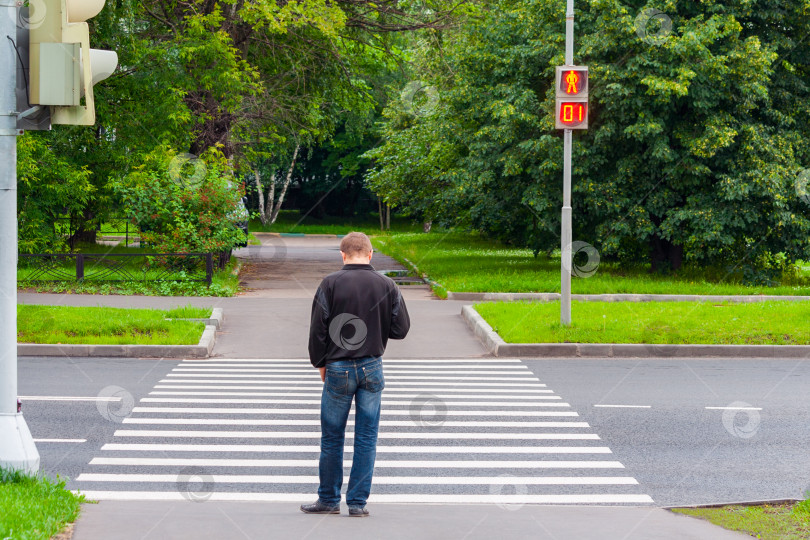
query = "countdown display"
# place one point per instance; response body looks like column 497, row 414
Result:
column 573, row 113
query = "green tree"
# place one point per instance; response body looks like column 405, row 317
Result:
column 695, row 141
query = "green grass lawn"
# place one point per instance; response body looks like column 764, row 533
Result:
column 759, row 323
column 188, row 312
column 292, row 221
column 462, row 262
column 35, row 508
column 768, row 522
column 102, row 325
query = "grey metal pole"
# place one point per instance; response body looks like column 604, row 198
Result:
column 566, row 235
column 17, row 449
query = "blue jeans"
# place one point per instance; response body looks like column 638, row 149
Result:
column 360, row 379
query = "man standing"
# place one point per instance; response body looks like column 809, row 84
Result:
column 354, row 313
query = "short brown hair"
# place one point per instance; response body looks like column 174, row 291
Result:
column 355, row 243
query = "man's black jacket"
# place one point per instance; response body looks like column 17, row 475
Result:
column 354, row 313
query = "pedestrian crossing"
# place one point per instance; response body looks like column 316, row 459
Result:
column 451, row 431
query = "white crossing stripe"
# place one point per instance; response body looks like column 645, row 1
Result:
column 390, row 412
column 408, row 361
column 316, row 381
column 394, row 377
column 318, row 402
column 382, row 480
column 598, row 498
column 392, row 373
column 388, row 389
column 381, row 449
column 319, row 392
column 430, row 369
column 160, row 434
column 383, row 464
column 287, row 422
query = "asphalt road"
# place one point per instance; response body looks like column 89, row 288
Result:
column 678, row 450
column 715, row 430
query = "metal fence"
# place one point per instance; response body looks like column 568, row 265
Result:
column 116, row 267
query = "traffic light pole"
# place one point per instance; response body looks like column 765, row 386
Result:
column 566, row 235
column 17, row 449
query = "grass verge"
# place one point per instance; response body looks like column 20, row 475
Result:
column 463, row 262
column 189, row 312
column 35, row 508
column 768, row 522
column 760, row 323
column 103, row 326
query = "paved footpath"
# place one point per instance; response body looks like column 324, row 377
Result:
column 470, row 446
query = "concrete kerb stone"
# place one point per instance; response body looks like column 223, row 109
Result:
column 498, row 347
column 311, row 235
column 551, row 297
column 201, row 350
column 216, row 318
column 481, row 328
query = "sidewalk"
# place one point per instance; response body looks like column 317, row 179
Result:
column 127, row 520
column 271, row 320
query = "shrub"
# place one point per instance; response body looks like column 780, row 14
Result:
column 182, row 203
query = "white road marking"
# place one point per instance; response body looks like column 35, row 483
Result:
column 418, row 369
column 285, row 422
column 318, row 401
column 381, row 498
column 383, row 464
column 624, row 406
column 381, row 449
column 349, row 435
column 391, row 412
column 735, row 408
column 315, row 380
column 68, row 398
column 60, row 440
column 381, row 480
column 388, row 390
column 188, row 373
column 318, row 395
column 305, row 361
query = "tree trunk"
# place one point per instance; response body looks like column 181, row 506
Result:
column 664, row 255
column 260, row 189
column 287, row 181
column 380, row 209
column 387, row 217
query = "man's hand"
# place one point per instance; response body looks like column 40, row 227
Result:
column 323, row 374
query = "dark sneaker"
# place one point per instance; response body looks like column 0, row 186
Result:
column 358, row 511
column 319, row 507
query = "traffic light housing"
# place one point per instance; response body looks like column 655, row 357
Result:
column 571, row 88
column 62, row 66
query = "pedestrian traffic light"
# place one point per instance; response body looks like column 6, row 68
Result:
column 571, row 87
column 62, row 66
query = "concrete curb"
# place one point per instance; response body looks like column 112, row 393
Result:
column 294, row 235
column 550, row 297
column 741, row 503
column 498, row 347
column 201, row 350
column 216, row 318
